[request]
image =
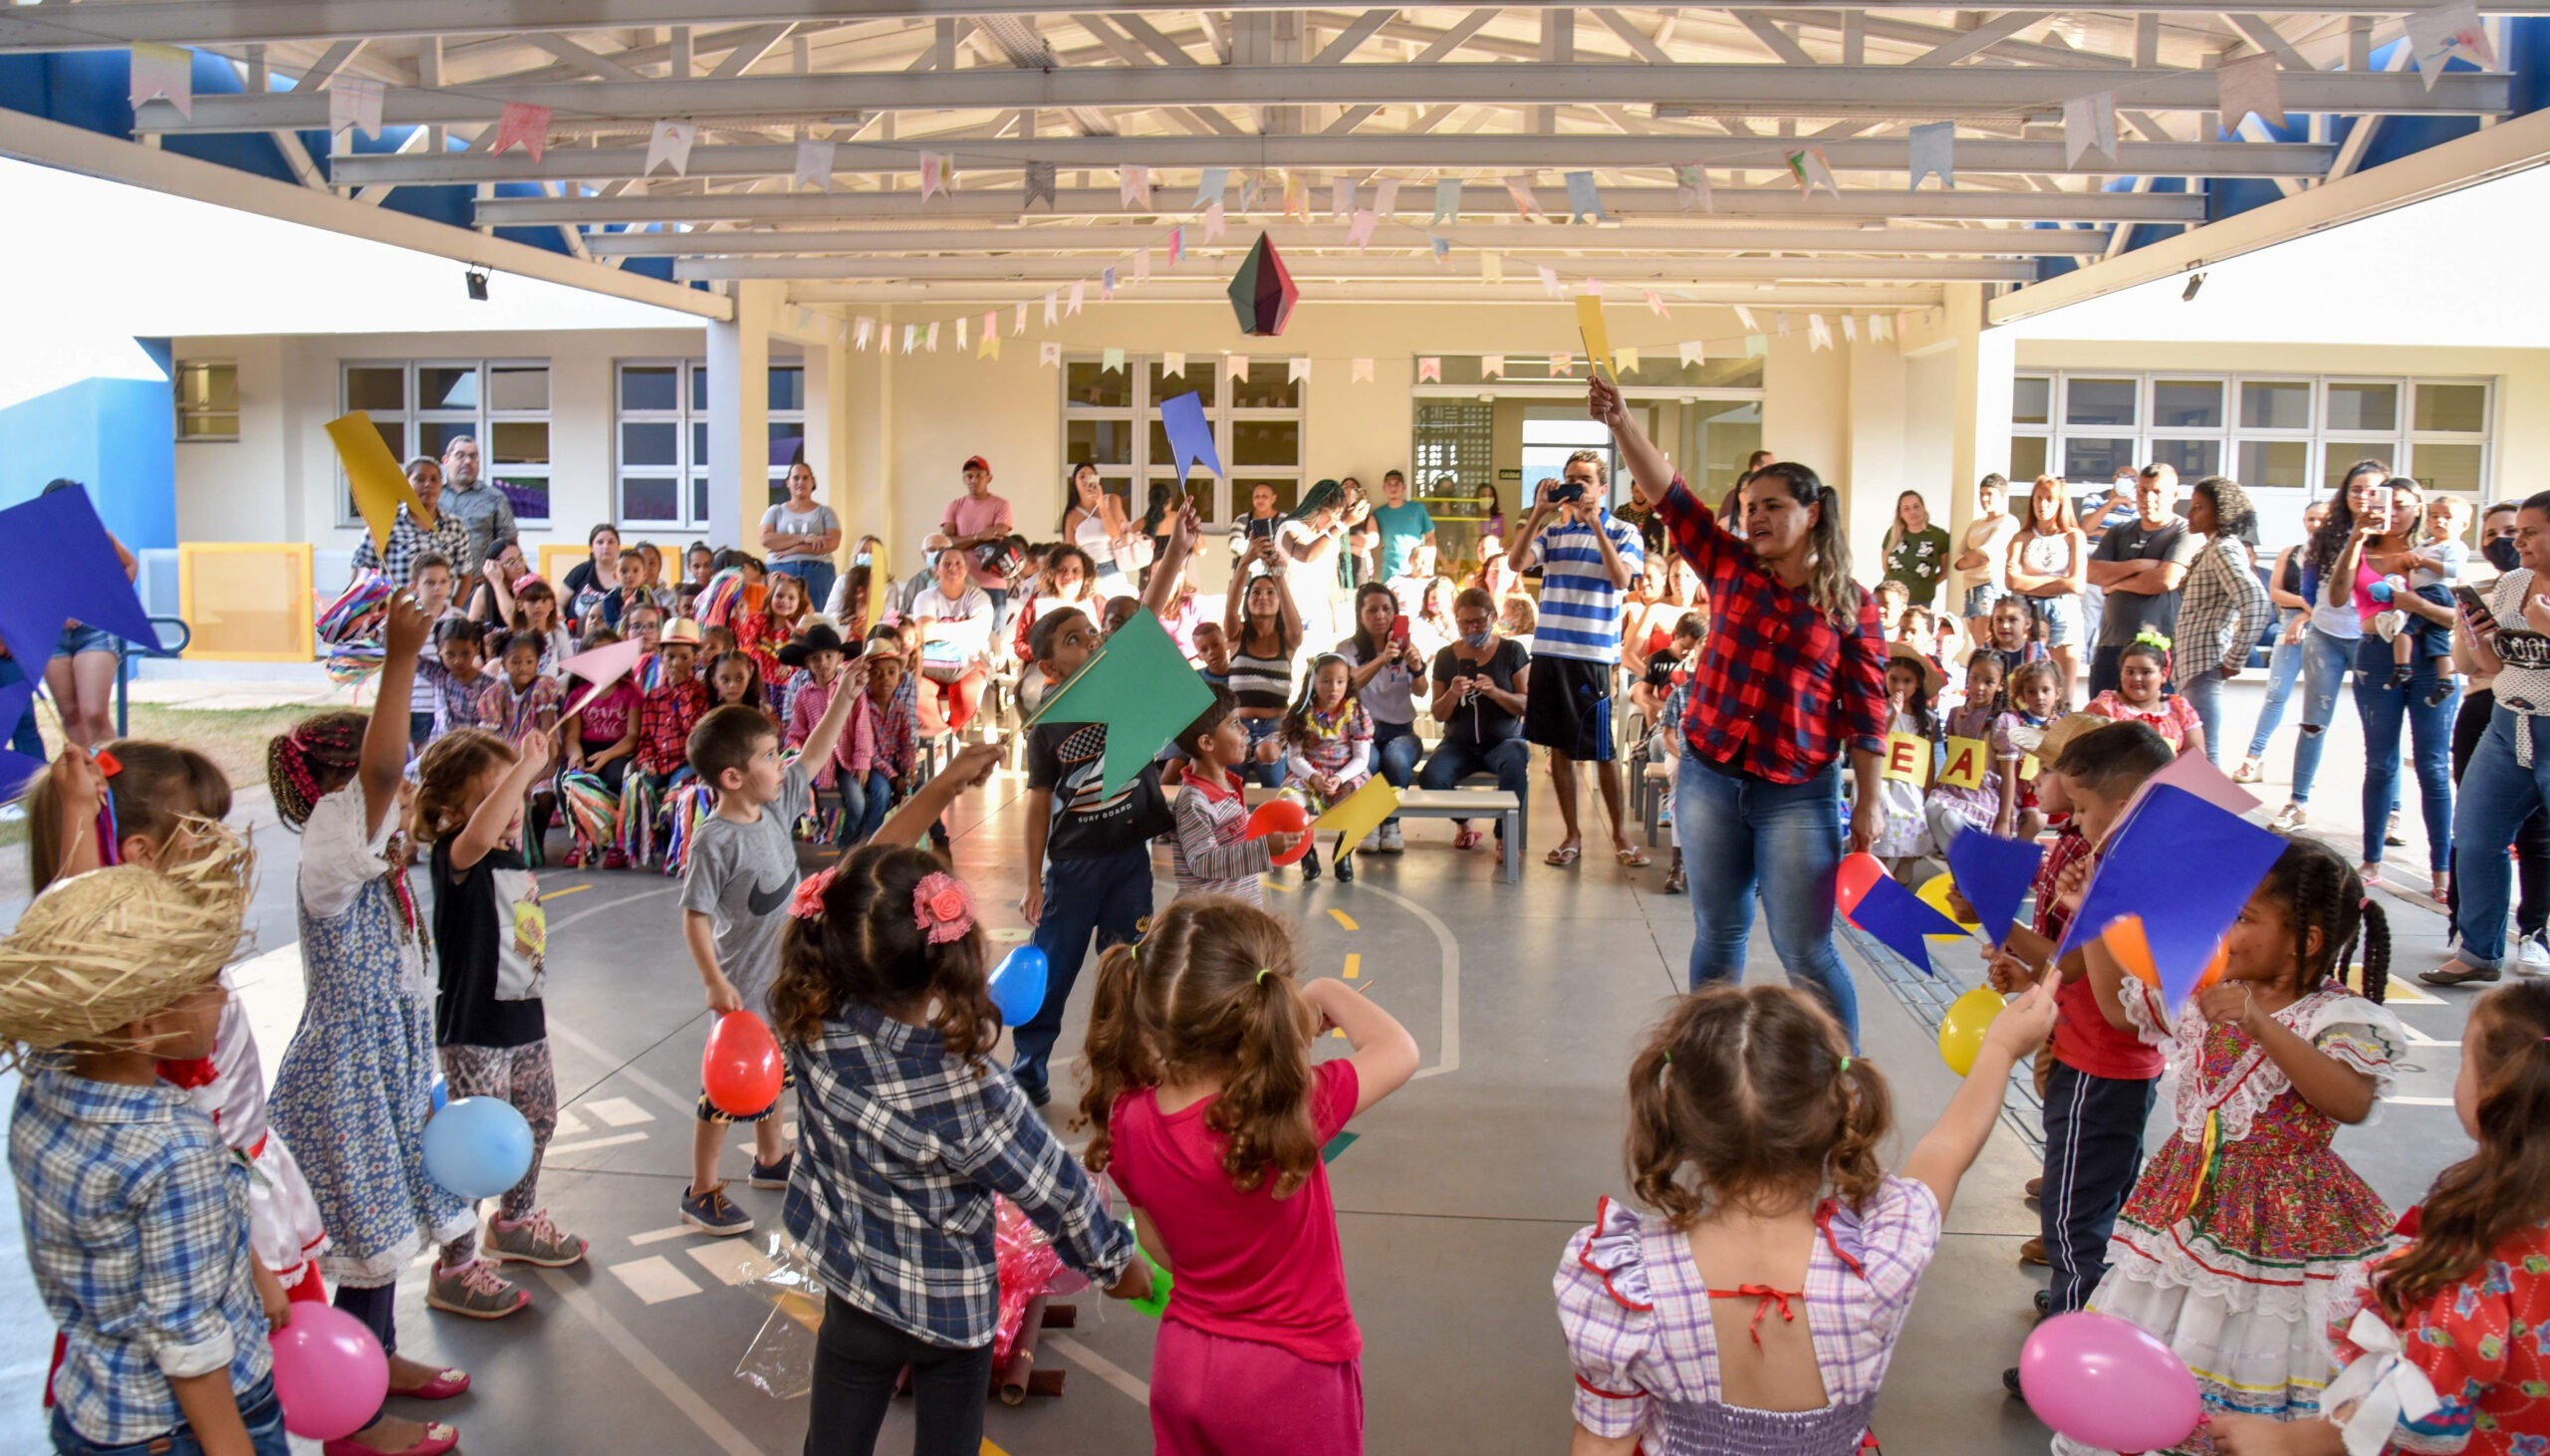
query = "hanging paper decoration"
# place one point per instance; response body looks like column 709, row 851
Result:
column 1583, row 199
column 669, row 141
column 814, row 165
column 1051, row 316
column 1177, row 245
column 938, row 175
column 1296, row 370
column 353, row 104
column 1519, row 187
column 1491, row 366
column 1297, row 197
column 167, row 72
column 2253, row 86
column 1080, row 293
column 1213, row 221
column 1782, row 320
column 991, row 331
column 1106, row 283
column 1692, row 353
column 1360, row 231
column 1174, row 363
column 1655, row 305
column 1386, row 198
column 1142, row 265
column 1624, row 359
column 1757, row 347
column 1359, row 372
column 931, row 342
column 1591, row 287
column 1262, row 291
column 1111, row 360
column 1744, row 315
column 1849, row 328
column 2439, row 33
column 1235, row 366
column 1812, row 171
column 861, row 330
column 1561, row 366
column 1491, row 267
column 1040, row 185
column 912, row 336
column 1934, row 152
column 2088, row 124
column 1018, row 325
column 1881, row 327
column 1448, row 201
column 1692, row 188
column 524, row 123
column 1340, row 197
column 1049, row 352
column 1134, row 187
column 1429, row 370
column 1443, row 246
column 990, row 346
column 1549, row 279
column 960, row 332
column 1210, row 185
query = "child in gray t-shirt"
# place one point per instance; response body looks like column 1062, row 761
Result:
column 735, row 897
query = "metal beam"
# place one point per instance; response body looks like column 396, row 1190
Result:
column 2133, row 158
column 1981, row 39
column 1008, row 206
column 1511, row 239
column 1756, row 91
column 1315, row 268
column 1461, row 291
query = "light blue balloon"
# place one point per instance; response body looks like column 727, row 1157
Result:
column 441, row 1093
column 1018, row 985
column 477, row 1147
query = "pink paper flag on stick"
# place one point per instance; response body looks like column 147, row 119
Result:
column 522, row 122
column 602, row 667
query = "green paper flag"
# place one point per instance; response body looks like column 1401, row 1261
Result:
column 1139, row 688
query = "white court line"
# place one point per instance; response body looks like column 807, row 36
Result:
column 2418, row 1101
column 569, row 1124
column 620, row 1111
column 590, row 1143
column 1451, row 948
column 653, row 1279
column 703, row 1415
column 2420, row 1038
column 731, row 1261
column 1097, row 1364
column 657, row 1236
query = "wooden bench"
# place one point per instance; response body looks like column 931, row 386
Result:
column 1493, row 803
column 1654, row 781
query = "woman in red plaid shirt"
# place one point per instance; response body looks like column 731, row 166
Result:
column 1792, row 676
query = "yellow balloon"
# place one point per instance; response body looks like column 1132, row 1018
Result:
column 1934, row 893
column 1961, row 1029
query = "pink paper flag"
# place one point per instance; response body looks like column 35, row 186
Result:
column 2250, row 86
column 1549, row 280
column 1519, row 187
column 1176, row 246
column 1134, row 187
column 1080, row 294
column 1051, row 316
column 1360, row 371
column 2194, row 774
column 602, row 667
column 860, row 331
column 1213, row 220
column 1296, row 370
column 525, row 124
column 1491, row 366
column 1360, row 231
column 1049, row 352
column 353, row 104
column 1694, row 352
column 1429, row 370
column 1561, row 366
column 1235, row 366
column 671, row 142
column 1018, row 325
column 1655, row 305
column 935, row 174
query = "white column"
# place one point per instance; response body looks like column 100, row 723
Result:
column 739, row 416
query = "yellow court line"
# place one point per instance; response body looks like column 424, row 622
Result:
column 1354, row 965
column 1341, row 918
column 1277, row 884
column 569, row 890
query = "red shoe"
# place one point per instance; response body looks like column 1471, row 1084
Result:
column 575, row 859
column 445, row 1385
column 439, row 1439
column 614, row 860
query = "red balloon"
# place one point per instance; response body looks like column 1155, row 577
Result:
column 1856, row 873
column 740, row 1072
column 1284, row 816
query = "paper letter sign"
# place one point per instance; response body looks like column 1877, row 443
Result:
column 1908, row 758
column 1968, row 758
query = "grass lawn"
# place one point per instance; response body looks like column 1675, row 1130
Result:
column 234, row 738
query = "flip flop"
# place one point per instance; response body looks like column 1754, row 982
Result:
column 1631, row 859
column 1562, row 857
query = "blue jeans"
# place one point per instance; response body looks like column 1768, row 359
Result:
column 1457, row 759
column 2204, row 692
column 2284, row 666
column 1395, row 749
column 2382, row 706
column 862, row 804
column 1270, row 776
column 22, row 735
column 1741, row 834
column 258, row 1410
column 2497, row 795
column 1109, row 896
column 2325, row 660
column 816, row 572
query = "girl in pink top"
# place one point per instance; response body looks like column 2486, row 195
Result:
column 2137, row 698
column 1211, row 1112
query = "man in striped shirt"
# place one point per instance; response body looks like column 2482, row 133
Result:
column 1586, row 557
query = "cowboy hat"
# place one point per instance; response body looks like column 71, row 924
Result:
column 1933, row 680
column 819, row 637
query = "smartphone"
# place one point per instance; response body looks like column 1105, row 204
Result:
column 1399, row 632
column 2472, row 605
column 1255, row 528
column 1568, row 494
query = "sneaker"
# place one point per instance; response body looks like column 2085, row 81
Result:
column 534, row 1240
column 1371, row 843
column 2249, row 772
column 1393, row 842
column 2289, row 819
column 2531, row 957
column 2444, row 975
column 476, row 1289
column 714, row 1212
column 773, row 1175
column 614, row 860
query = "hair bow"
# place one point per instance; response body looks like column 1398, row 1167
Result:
column 942, row 907
column 808, row 903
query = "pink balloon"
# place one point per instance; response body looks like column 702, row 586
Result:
column 2108, row 1382
column 330, row 1373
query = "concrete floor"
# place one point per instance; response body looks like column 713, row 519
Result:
column 1453, row 1205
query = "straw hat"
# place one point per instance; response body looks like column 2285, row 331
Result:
column 101, row 950
column 2063, row 730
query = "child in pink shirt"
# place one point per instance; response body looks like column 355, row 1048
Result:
column 1210, row 1112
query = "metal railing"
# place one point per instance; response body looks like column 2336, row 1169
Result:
column 126, row 651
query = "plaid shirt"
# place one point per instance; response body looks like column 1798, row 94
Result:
column 511, row 714
column 1780, row 691
column 136, row 1227
column 900, row 1148
column 2222, row 608
column 408, row 541
column 456, row 700
column 665, row 724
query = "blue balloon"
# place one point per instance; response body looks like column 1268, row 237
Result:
column 477, row 1147
column 441, row 1093
column 1018, row 985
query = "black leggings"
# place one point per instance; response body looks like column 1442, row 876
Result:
column 856, row 1360
column 377, row 1308
column 2531, row 841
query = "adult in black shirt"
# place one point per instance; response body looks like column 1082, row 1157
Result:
column 2140, row 566
column 1479, row 687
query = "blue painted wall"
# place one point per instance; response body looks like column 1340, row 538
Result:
column 117, row 436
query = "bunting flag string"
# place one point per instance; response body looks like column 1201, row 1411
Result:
column 167, row 72
column 2250, row 86
column 1447, row 203
column 938, row 175
column 524, row 125
column 1933, row 154
column 1040, row 185
column 669, row 141
column 814, row 165
column 353, row 104
column 2088, row 124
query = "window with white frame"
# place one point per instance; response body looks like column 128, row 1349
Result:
column 662, row 442
column 421, row 405
column 1111, row 419
column 2268, row 431
column 207, row 399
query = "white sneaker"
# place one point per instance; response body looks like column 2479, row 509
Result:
column 2288, row 819
column 2531, row 957
column 1371, row 843
column 1393, row 842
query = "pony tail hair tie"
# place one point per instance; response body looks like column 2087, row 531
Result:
column 1261, row 975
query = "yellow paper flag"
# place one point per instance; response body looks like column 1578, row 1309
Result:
column 379, row 486
column 1588, row 323
column 1968, row 758
column 1358, row 813
column 1908, row 758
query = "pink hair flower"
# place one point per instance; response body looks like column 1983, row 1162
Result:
column 942, row 907
column 808, row 903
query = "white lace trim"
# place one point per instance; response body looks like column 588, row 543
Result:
column 2311, row 1018
column 2156, row 1261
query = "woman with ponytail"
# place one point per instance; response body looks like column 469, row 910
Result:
column 2455, row 1313
column 1206, row 1107
column 1753, row 1136
column 1791, row 678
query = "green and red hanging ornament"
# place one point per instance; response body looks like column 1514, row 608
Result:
column 1262, row 291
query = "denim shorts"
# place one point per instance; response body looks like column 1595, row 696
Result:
column 82, row 638
column 2062, row 618
column 1981, row 597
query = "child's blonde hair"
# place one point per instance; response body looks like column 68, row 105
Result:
column 451, row 764
column 1748, row 1097
column 1209, row 992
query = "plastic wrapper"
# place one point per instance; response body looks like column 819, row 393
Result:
column 1027, row 1264
column 780, row 1360
column 356, row 615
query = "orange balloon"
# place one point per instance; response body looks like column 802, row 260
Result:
column 1283, row 816
column 2125, row 941
column 1852, row 881
column 741, row 1070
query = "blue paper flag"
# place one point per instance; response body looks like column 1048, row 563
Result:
column 1582, row 200
column 1899, row 922
column 1190, row 437
column 1993, row 875
column 62, row 567
column 2187, row 867
column 15, row 766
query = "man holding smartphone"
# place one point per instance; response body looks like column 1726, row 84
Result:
column 1588, row 558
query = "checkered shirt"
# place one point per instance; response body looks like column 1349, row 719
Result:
column 2222, row 609
column 136, row 1227
column 1780, row 691
column 900, row 1148
column 664, row 723
column 408, row 541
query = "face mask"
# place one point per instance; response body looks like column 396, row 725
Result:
column 2501, row 553
column 860, row 560
column 1475, row 641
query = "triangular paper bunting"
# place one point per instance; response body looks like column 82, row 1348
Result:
column 1049, row 352
column 1447, row 203
column 1624, row 359
column 1811, row 170
column 1018, row 323
column 1491, row 366
column 1933, row 148
column 1442, row 245
column 930, row 339
column 1134, row 187
column 1215, row 220
column 1106, row 283
column 1141, row 265
column 167, row 72
column 1111, row 360
column 961, row 331
column 1549, row 280
column 1190, row 434
column 1340, row 197
column 599, row 668
column 862, row 329
column 990, row 346
column 1210, row 184
column 1079, row 296
column 1655, row 305
column 1994, row 875
column 353, row 104
column 937, row 178
column 1386, row 198
column 1744, row 315
column 524, row 125
column 1561, row 366
column 2088, row 124
column 1491, row 268
column 912, row 336
column 814, row 166
column 1052, row 310
column 1584, row 200
column 1296, row 370
column 1360, row 231
column 1359, row 372
column 1040, row 185
column 1692, row 188
column 670, row 142
column 1173, row 362
column 1849, row 328
column 1429, row 370
column 1519, row 188
column 1692, row 351
column 2250, row 86
column 2439, row 33
column 1234, row 366
column 1177, row 245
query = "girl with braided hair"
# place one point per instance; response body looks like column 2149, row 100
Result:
column 2246, row 1227
column 356, row 1085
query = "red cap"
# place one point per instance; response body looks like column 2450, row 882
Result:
column 977, row 462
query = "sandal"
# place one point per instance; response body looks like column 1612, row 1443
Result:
column 445, row 1385
column 1466, row 838
column 437, row 1439
column 1563, row 857
column 1631, row 857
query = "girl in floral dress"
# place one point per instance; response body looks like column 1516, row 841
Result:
column 2031, row 698
column 2457, row 1315
column 2137, row 698
column 1952, row 809
column 2246, row 1225
column 1912, row 684
column 356, row 1085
